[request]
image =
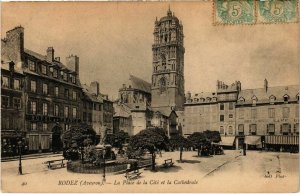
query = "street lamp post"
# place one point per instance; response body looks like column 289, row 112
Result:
column 20, row 157
column 104, row 165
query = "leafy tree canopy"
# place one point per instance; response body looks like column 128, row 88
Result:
column 151, row 139
column 117, row 139
column 206, row 137
column 179, row 141
column 79, row 135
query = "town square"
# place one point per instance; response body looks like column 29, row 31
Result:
column 150, row 97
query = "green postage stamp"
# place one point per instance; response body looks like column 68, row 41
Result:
column 252, row 12
column 234, row 12
column 277, row 11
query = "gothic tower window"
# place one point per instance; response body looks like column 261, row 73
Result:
column 162, row 84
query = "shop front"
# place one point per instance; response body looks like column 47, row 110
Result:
column 287, row 143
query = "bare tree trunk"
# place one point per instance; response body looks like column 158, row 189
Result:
column 180, row 154
column 153, row 161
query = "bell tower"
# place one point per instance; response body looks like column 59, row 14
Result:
column 167, row 88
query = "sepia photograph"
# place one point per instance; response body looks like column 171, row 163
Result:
column 150, row 96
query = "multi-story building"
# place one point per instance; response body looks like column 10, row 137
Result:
column 264, row 117
column 52, row 92
column 122, row 120
column 93, row 108
column 213, row 111
column 12, row 107
column 108, row 112
column 135, row 96
column 268, row 117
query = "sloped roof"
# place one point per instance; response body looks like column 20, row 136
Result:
column 122, row 110
column 90, row 96
column 263, row 95
column 140, row 84
column 43, row 58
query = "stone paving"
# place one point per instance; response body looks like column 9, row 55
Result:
column 230, row 172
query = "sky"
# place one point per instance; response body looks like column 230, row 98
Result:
column 114, row 39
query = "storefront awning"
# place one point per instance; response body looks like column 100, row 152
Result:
column 227, row 141
column 282, row 140
column 253, row 140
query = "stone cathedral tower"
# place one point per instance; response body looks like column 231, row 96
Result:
column 167, row 88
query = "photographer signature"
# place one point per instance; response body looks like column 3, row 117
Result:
column 278, row 174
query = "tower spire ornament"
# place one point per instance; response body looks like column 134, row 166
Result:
column 169, row 13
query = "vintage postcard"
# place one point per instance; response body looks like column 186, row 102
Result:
column 139, row 97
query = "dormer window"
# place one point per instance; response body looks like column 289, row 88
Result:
column 286, row 98
column 241, row 100
column 65, row 76
column 44, row 69
column 208, row 99
column 214, row 99
column 272, row 99
column 254, row 100
column 31, row 65
column 202, row 99
column 55, row 73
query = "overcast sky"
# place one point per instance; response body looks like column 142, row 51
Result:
column 114, row 40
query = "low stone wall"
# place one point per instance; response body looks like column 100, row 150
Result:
column 92, row 169
column 78, row 167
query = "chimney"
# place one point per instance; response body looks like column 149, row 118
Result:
column 57, row 59
column 14, row 41
column 266, row 85
column 72, row 62
column 11, row 66
column 95, row 87
column 50, row 54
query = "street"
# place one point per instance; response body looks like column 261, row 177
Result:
column 231, row 172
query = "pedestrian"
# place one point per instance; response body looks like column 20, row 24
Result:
column 244, row 149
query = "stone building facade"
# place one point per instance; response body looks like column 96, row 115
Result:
column 92, row 113
column 12, row 107
column 265, row 117
column 213, row 111
column 268, row 117
column 50, row 92
column 135, row 96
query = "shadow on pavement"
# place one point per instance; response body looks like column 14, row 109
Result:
column 168, row 169
column 188, row 161
column 196, row 156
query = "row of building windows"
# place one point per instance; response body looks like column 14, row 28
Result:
column 271, row 113
column 53, row 72
column 34, row 126
column 271, row 99
column 5, row 102
column 33, row 88
column 285, row 129
column 56, row 108
column 6, row 83
column 92, row 106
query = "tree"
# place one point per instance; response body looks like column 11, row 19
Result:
column 78, row 136
column 179, row 141
column 117, row 139
column 204, row 138
column 150, row 139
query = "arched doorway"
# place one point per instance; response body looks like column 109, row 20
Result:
column 56, row 138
